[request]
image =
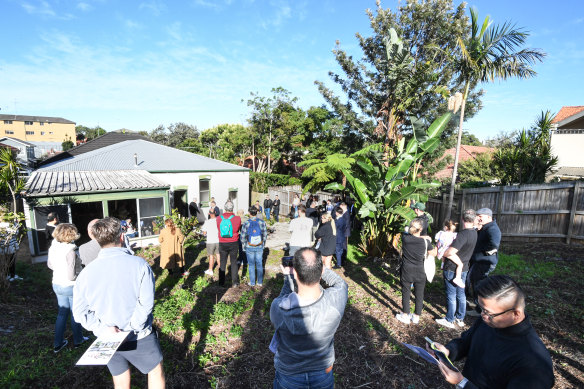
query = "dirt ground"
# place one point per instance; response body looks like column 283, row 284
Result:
column 233, row 352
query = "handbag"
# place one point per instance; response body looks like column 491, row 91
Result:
column 429, row 264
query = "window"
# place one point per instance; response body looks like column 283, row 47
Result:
column 42, row 133
column 7, row 121
column 150, row 210
column 26, row 123
column 204, row 190
column 30, row 133
column 50, row 132
column 8, row 132
column 42, row 123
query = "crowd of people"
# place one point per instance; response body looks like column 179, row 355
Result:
column 502, row 349
column 104, row 288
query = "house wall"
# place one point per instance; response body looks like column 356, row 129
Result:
column 220, row 184
column 568, row 148
column 47, row 131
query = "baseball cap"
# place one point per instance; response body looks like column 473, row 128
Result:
column 419, row 205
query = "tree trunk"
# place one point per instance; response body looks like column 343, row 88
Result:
column 253, row 155
column 456, row 155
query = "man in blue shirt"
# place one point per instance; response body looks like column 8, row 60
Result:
column 115, row 293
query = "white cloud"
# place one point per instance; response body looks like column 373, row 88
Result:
column 84, row 7
column 154, row 6
column 44, row 9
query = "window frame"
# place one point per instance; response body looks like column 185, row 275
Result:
column 207, row 179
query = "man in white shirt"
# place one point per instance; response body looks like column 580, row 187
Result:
column 301, row 229
column 212, row 234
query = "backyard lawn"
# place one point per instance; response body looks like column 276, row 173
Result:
column 219, row 337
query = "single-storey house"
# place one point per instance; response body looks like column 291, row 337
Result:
column 26, row 150
column 135, row 179
column 567, row 143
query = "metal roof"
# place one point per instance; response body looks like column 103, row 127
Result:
column 109, row 138
column 25, row 118
column 59, row 183
column 151, row 157
column 17, row 141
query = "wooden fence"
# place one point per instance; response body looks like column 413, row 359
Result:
column 526, row 212
column 286, row 196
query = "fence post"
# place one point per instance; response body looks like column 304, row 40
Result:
column 500, row 203
column 575, row 195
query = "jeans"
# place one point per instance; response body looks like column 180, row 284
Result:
column 267, row 211
column 312, row 379
column 277, row 214
column 254, row 260
column 65, row 301
column 455, row 297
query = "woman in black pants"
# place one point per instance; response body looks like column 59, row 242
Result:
column 414, row 250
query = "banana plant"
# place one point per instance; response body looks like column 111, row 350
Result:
column 383, row 188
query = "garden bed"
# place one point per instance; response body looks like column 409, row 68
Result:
column 219, row 337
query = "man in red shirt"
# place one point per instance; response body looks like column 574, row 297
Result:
column 228, row 225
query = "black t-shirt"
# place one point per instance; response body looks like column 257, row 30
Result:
column 413, row 254
column 465, row 242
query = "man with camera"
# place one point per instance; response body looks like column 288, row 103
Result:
column 305, row 322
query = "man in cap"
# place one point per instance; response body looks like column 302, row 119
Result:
column 420, row 210
column 484, row 258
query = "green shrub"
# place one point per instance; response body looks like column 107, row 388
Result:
column 260, row 182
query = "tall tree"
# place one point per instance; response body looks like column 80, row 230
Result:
column 487, row 54
column 87, row 133
column 266, row 121
column 175, row 134
column 405, row 71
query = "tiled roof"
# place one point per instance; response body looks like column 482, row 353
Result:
column 466, row 153
column 566, row 112
column 151, row 157
column 59, row 183
column 109, row 138
column 25, row 118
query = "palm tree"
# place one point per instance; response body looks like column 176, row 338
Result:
column 489, row 54
column 9, row 174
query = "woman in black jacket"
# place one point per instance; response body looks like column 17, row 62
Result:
column 414, row 251
column 326, row 234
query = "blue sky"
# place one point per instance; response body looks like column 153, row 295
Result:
column 138, row 64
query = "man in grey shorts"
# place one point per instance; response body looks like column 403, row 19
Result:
column 115, row 293
column 212, row 233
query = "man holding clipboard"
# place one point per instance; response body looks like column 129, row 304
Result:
column 502, row 350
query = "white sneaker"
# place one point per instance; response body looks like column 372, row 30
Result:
column 458, row 282
column 208, row 272
column 404, row 318
column 415, row 318
column 17, row 277
column 459, row 322
column 445, row 323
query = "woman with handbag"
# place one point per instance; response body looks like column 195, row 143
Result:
column 66, row 265
column 415, row 249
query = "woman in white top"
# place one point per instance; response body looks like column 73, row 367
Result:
column 65, row 264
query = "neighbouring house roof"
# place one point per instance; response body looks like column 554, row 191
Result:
column 25, row 118
column 109, row 138
column 61, row 183
column 5, row 146
column 17, row 141
column 466, row 153
column 566, row 112
column 152, row 157
column 569, row 171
